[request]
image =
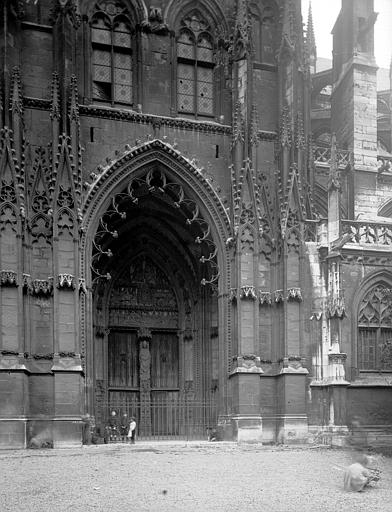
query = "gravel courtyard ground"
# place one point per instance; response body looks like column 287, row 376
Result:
column 186, row 477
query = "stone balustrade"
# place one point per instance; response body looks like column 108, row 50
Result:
column 322, row 156
column 369, row 233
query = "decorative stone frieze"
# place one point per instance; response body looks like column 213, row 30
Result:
column 294, row 294
column 43, row 357
column 248, row 292
column 265, row 298
column 65, row 281
column 8, row 278
column 137, row 117
column 247, row 363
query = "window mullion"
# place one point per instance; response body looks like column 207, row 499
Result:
column 196, row 89
column 112, row 66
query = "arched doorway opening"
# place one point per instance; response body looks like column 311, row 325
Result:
column 156, row 351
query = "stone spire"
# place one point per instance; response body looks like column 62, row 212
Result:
column 311, row 48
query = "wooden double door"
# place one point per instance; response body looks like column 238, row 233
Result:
column 144, row 378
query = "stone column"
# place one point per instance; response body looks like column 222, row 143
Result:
column 144, row 338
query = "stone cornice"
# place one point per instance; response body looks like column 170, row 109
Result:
column 137, row 117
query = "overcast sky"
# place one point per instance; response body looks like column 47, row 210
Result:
column 325, row 13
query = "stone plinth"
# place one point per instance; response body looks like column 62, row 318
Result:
column 68, row 393
column 247, row 428
column 292, row 420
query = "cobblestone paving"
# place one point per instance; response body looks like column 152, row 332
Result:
column 186, row 477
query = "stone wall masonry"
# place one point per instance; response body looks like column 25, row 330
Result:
column 66, row 256
column 343, row 118
column 265, row 97
column 210, row 151
column 369, row 405
column 9, row 319
column 42, row 261
column 365, row 116
column 13, row 394
column 365, row 201
column 67, row 326
column 37, row 62
column 247, row 327
column 41, row 340
column 41, row 395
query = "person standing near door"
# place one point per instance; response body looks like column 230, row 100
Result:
column 132, row 430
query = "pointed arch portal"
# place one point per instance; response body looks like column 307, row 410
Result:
column 154, row 265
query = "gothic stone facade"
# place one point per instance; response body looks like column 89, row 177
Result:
column 168, row 227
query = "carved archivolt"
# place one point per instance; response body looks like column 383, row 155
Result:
column 154, row 180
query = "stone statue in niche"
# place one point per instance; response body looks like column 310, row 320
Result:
column 145, row 364
column 155, row 22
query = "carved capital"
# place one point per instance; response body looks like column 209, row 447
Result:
column 265, row 298
column 37, row 286
column 8, row 278
column 293, row 364
column 233, row 295
column 248, row 292
column 337, row 358
column 247, row 363
column 144, row 334
column 65, row 281
column 294, row 294
column 278, row 296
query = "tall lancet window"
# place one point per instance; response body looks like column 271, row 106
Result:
column 375, row 330
column 195, row 67
column 111, row 38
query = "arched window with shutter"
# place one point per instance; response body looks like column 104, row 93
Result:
column 112, row 62
column 195, row 67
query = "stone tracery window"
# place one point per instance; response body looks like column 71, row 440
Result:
column 375, row 330
column 112, row 66
column 195, row 67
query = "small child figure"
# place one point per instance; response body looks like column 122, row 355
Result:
column 124, row 426
column 360, row 474
column 132, row 430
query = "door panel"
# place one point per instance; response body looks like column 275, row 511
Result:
column 164, row 360
column 123, row 359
